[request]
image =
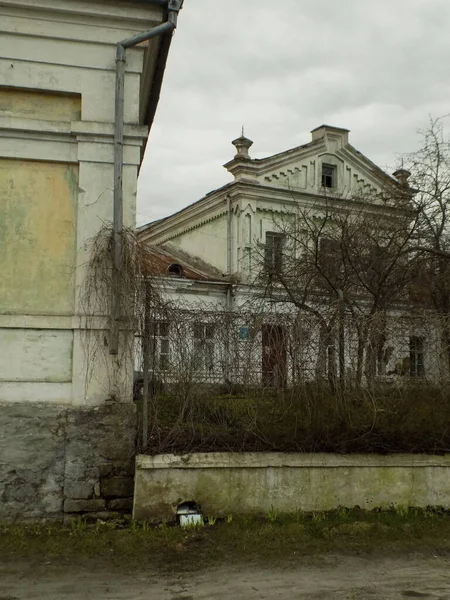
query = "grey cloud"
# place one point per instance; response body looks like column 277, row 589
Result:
column 283, row 68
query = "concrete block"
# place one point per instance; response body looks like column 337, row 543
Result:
column 81, row 490
column 78, row 506
column 120, row 504
column 102, row 516
column 117, row 487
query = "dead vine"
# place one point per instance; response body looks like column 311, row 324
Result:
column 135, row 291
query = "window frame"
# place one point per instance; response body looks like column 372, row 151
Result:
column 332, row 175
column 273, row 251
column 160, row 340
column 204, row 345
column 417, row 356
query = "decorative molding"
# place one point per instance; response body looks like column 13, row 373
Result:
column 368, row 177
column 285, row 159
column 285, row 174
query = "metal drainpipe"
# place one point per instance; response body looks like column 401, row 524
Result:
column 341, row 337
column 174, row 6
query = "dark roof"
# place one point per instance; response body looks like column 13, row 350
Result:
column 158, row 259
column 285, row 152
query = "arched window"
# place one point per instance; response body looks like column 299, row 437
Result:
column 175, row 270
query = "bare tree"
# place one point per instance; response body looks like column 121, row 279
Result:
column 430, row 178
column 347, row 259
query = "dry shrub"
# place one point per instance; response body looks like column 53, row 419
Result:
column 209, row 391
column 307, row 420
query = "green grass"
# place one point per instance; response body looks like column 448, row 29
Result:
column 273, row 539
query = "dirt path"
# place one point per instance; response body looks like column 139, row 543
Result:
column 337, row 578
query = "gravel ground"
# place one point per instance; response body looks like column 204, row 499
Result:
column 334, row 577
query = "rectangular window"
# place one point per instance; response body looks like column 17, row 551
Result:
column 329, row 248
column 204, row 346
column 160, row 345
column 416, row 356
column 328, row 176
column 331, row 257
column 274, row 251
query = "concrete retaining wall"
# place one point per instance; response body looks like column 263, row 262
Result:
column 225, row 483
column 57, row 463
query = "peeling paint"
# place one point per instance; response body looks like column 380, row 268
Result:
column 38, row 202
column 30, row 104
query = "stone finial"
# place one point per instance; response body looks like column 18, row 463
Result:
column 402, row 176
column 242, row 145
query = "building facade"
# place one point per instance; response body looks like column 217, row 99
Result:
column 240, row 214
column 242, row 230
column 64, row 445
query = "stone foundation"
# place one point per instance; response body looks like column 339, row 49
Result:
column 57, row 463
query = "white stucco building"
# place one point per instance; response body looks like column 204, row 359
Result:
column 228, row 231
column 223, row 227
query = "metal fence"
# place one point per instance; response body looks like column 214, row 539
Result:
column 247, row 350
column 293, row 382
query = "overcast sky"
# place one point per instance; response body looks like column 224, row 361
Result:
column 283, row 67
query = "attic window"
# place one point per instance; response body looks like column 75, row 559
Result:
column 328, row 176
column 175, row 270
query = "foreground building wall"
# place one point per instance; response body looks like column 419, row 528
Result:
column 60, row 462
column 58, row 438
column 246, row 483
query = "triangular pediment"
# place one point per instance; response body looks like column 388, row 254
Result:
column 302, row 169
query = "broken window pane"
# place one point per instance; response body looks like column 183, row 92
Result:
column 328, row 176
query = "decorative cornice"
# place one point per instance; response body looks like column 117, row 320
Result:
column 370, row 169
column 179, row 223
column 204, row 206
column 88, row 129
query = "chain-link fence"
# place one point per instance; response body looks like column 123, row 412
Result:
column 275, row 351
column 228, row 380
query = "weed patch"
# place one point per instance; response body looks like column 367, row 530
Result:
column 307, row 419
column 270, row 538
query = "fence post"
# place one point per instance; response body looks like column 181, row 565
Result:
column 341, row 339
column 146, row 365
